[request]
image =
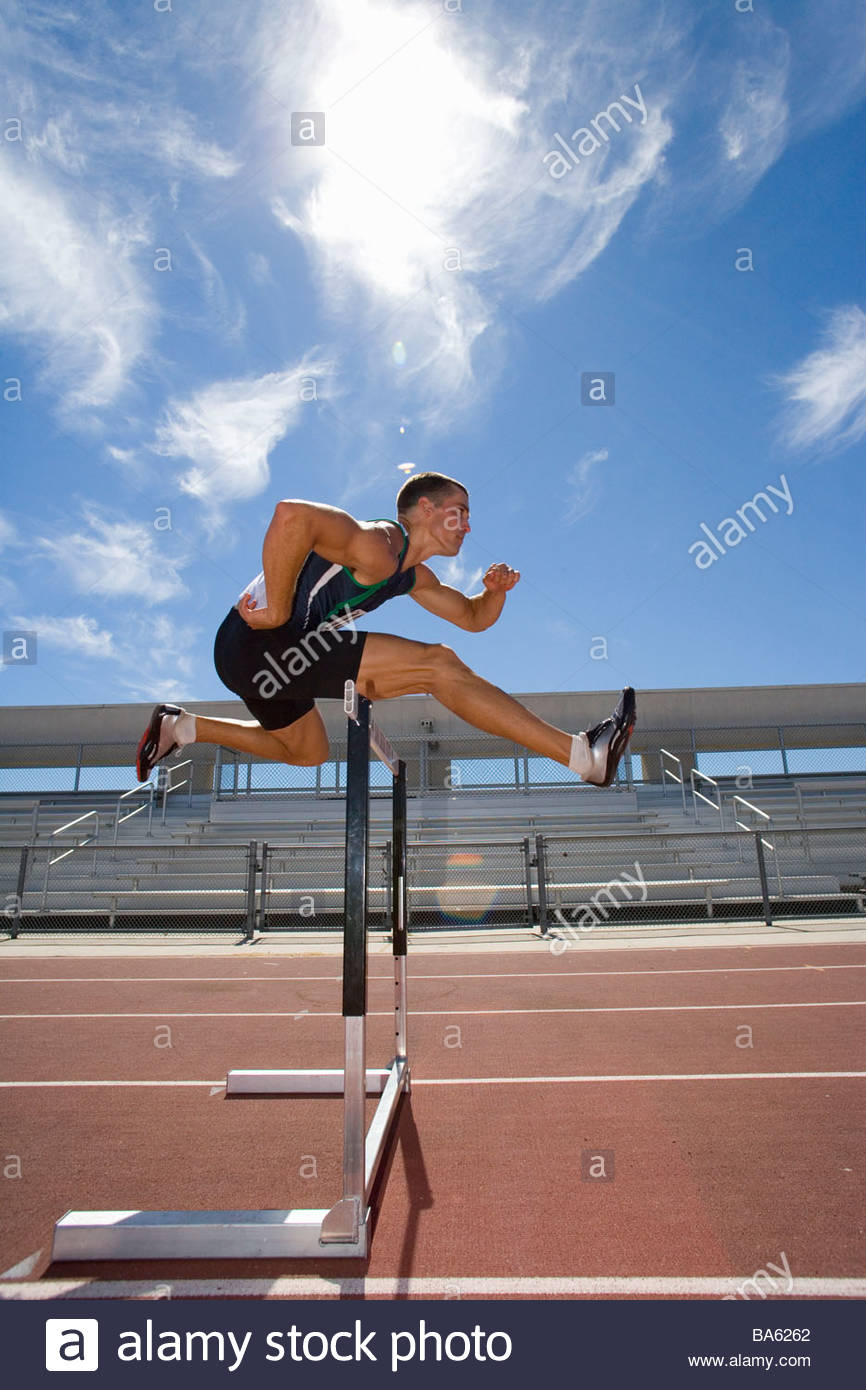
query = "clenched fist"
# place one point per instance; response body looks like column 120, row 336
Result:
column 500, row 578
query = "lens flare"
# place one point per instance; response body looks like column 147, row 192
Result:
column 468, row 898
column 398, row 354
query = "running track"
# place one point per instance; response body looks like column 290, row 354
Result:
column 729, row 1146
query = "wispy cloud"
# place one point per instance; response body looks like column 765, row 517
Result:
column 224, row 304
column 9, row 541
column 826, row 392
column 259, row 268
column 169, row 135
column 68, row 282
column 92, row 131
column 583, row 486
column 459, row 575
column 118, row 558
column 167, row 673
column 7, row 532
column 79, row 634
column 170, row 671
column 228, row 430
column 754, row 123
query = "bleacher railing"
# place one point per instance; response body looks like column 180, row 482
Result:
column 672, row 768
column 698, row 795
column 144, row 794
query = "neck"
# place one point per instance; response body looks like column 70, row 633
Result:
column 421, row 546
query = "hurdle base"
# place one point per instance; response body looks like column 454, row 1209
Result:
column 299, row 1083
column 338, row 1232
column 202, row 1235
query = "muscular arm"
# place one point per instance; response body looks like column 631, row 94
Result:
column 472, row 614
column 298, row 527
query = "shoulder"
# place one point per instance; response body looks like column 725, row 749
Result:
column 425, row 578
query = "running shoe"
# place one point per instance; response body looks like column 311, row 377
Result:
column 609, row 740
column 157, row 742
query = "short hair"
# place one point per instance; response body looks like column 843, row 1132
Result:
column 432, row 485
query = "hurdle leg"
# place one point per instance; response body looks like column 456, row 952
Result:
column 344, row 1221
column 399, row 906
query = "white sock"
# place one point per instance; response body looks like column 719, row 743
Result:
column 184, row 728
column 176, row 729
column 580, row 759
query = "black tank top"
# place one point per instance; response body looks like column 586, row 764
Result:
column 327, row 596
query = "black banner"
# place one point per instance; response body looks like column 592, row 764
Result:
column 419, row 1343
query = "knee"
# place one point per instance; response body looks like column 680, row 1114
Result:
column 444, row 666
column 307, row 759
column 314, row 757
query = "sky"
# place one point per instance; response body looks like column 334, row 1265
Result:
column 602, row 263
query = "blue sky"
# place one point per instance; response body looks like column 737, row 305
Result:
column 198, row 317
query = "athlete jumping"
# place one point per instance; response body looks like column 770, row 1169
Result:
column 291, row 638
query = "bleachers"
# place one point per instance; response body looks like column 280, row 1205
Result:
column 468, row 856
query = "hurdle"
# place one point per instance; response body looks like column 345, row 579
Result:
column 341, row 1231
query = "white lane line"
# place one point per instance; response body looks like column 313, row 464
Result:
column 450, row 1286
column 659, row 1076
column 23, row 1267
column 23, row 1085
column 462, row 1013
column 506, row 1080
column 389, row 979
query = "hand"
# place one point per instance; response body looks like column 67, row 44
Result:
column 259, row 618
column 500, row 578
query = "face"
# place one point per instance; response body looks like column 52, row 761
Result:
column 448, row 520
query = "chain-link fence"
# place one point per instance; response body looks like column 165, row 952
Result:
column 469, row 884
column 587, row 883
column 302, row 887
column 578, row 883
column 476, row 763
column 66, row 767
column 78, row 884
column 759, row 751
column 449, row 885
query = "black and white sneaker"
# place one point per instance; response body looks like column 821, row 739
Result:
column 608, row 740
column 158, row 740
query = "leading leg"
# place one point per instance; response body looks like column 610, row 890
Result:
column 392, row 666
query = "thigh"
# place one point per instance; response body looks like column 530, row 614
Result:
column 392, row 666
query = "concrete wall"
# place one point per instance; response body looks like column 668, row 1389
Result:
column 743, row 706
column 665, row 717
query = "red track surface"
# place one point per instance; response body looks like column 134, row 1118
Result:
column 712, row 1176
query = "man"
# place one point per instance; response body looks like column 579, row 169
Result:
column 291, row 638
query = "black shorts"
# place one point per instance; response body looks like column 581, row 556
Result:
column 279, row 672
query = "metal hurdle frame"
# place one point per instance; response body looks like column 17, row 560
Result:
column 343, row 1230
